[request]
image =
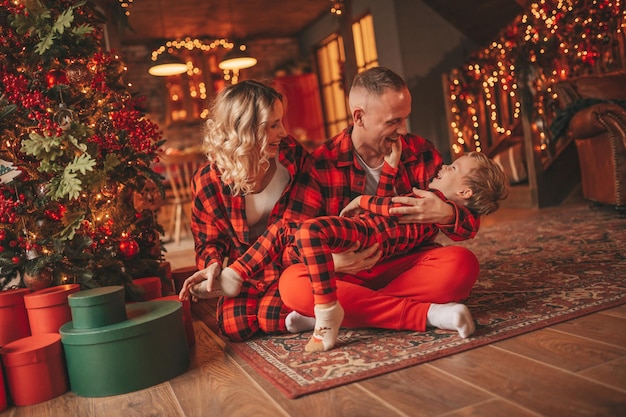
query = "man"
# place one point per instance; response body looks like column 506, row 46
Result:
column 376, row 155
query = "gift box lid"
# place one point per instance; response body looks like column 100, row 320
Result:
column 186, row 304
column 143, row 317
column 10, row 297
column 31, row 349
column 96, row 296
column 50, row 296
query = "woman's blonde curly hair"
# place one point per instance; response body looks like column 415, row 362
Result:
column 235, row 137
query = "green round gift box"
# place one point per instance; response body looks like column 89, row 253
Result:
column 146, row 348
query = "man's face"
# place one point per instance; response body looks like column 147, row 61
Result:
column 384, row 118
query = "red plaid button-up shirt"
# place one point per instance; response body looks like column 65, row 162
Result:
column 337, row 177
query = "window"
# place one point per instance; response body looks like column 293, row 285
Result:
column 365, row 43
column 330, row 59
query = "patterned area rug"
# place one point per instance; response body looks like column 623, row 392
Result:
column 557, row 265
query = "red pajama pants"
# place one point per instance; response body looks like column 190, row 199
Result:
column 396, row 293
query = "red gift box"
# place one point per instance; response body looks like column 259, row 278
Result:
column 13, row 316
column 48, row 309
column 35, row 368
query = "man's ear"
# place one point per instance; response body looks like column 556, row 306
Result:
column 357, row 116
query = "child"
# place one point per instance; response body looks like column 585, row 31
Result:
column 472, row 180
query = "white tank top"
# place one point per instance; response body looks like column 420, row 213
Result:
column 259, row 205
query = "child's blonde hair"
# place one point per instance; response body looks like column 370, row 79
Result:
column 235, row 139
column 489, row 185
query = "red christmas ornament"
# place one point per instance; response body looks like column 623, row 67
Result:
column 129, row 248
column 56, row 76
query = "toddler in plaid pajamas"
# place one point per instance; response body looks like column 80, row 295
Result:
column 472, row 180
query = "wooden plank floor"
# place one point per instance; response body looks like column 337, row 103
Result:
column 576, row 368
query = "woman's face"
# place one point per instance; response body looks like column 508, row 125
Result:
column 274, row 129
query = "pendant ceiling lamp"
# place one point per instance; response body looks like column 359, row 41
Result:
column 237, row 58
column 167, row 64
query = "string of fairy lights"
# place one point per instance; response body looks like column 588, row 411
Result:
column 554, row 40
column 191, row 44
column 125, row 5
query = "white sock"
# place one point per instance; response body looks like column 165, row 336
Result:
column 327, row 324
column 297, row 323
column 230, row 281
column 451, row 316
column 201, row 291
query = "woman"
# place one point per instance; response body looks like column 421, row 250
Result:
column 245, row 186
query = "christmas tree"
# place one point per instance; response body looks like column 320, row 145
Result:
column 78, row 196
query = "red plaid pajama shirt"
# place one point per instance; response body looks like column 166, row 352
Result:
column 220, row 231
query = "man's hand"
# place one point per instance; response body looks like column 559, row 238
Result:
column 352, row 209
column 393, row 158
column 425, row 207
column 354, row 261
column 210, row 273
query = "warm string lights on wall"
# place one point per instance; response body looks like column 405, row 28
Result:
column 125, row 4
column 556, row 39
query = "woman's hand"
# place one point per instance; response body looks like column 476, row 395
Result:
column 352, row 209
column 209, row 274
column 354, row 260
column 425, row 207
